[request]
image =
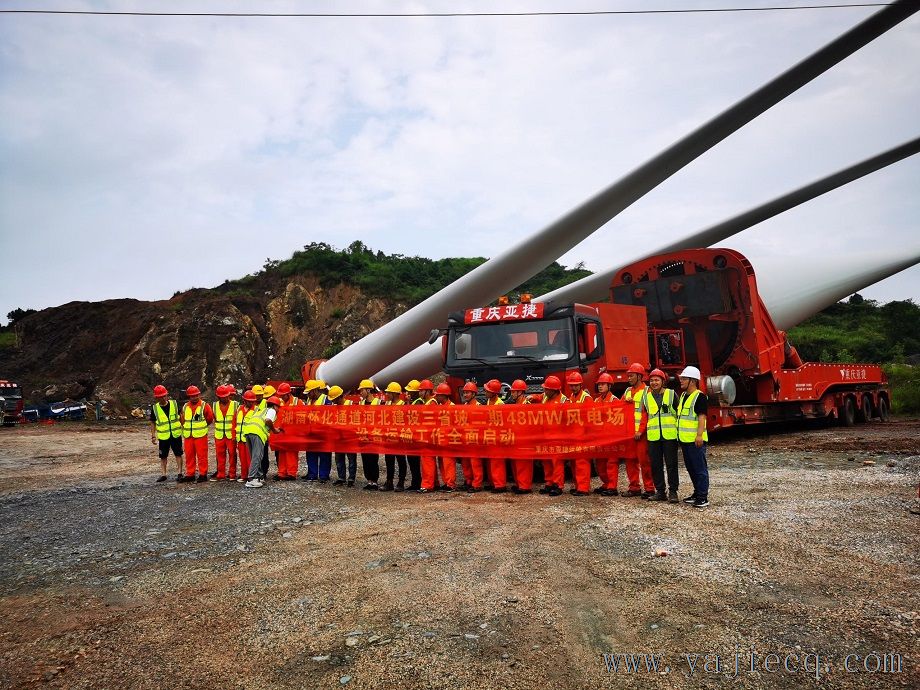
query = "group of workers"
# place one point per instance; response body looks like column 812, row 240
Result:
column 663, row 422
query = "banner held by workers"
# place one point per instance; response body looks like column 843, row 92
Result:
column 591, row 430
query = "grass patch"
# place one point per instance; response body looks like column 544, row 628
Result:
column 905, row 388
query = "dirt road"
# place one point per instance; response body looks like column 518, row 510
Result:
column 109, row 580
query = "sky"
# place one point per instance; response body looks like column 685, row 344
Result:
column 141, row 156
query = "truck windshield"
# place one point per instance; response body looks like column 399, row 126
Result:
column 501, row 343
column 10, row 392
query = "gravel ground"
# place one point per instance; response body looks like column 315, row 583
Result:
column 109, row 580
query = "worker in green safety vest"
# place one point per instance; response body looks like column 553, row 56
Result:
column 256, row 429
column 166, row 429
column 691, row 434
column 661, row 432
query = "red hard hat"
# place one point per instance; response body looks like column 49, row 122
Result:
column 659, row 373
column 274, row 400
column 192, row 390
column 518, row 385
column 443, row 389
column 426, row 385
column 605, row 378
column 221, row 392
column 553, row 383
column 231, row 389
column 636, row 368
column 574, row 378
column 160, row 392
column 493, row 386
column 284, row 388
column 470, row 386
column 249, row 396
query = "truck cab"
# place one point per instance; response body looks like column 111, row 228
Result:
column 10, row 402
column 529, row 341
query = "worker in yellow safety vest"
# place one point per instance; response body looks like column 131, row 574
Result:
column 692, row 410
column 224, row 434
column 197, row 415
column 661, row 433
column 166, row 430
column 257, row 427
column 242, row 448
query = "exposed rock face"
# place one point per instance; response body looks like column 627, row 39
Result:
column 119, row 349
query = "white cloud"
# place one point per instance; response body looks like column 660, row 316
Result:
column 190, row 149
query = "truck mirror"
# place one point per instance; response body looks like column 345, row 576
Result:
column 590, row 343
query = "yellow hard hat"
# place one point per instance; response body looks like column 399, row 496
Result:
column 268, row 391
column 258, row 390
column 334, row 392
column 366, row 383
column 394, row 387
column 321, row 384
column 312, row 385
column 412, row 386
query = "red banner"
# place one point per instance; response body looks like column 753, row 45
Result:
column 590, row 430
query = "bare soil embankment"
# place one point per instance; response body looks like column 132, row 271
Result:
column 109, row 580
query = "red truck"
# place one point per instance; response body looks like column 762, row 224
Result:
column 697, row 306
column 10, row 402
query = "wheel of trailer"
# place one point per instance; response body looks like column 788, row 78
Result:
column 883, row 410
column 865, row 410
column 847, row 412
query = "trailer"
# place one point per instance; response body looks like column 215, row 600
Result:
column 696, row 306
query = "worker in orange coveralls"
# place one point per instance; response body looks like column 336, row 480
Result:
column 523, row 469
column 608, row 469
column 242, row 448
column 640, row 463
column 497, row 468
column 552, row 395
column 472, row 467
column 197, row 415
column 224, row 434
column 581, row 468
column 288, row 460
column 448, row 466
column 429, row 463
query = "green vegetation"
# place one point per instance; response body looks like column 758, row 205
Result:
column 7, row 339
column 409, row 279
column 905, row 388
column 861, row 330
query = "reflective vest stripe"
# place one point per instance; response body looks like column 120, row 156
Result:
column 637, row 405
column 223, row 424
column 687, row 421
column 241, row 416
column 583, row 396
column 661, row 424
column 496, row 401
column 321, row 400
column 254, row 424
column 558, row 399
column 191, row 427
column 168, row 422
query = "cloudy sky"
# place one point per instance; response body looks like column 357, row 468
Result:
column 144, row 155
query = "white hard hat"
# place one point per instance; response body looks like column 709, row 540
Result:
column 690, row 373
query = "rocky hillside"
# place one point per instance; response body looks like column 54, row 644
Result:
column 261, row 326
column 118, row 350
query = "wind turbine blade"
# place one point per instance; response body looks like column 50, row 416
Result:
column 793, row 290
column 596, row 287
column 534, row 253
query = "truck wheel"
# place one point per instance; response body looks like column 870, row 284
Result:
column 848, row 412
column 865, row 410
column 883, row 410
